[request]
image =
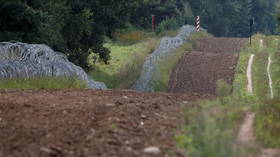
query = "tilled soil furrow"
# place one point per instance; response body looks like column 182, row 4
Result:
column 201, row 72
column 88, row 122
column 213, row 59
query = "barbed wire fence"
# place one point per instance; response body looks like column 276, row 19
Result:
column 21, row 60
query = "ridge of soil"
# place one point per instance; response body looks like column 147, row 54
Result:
column 220, row 45
column 88, row 123
column 199, row 70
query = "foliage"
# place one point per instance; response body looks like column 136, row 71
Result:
column 268, row 123
column 231, row 18
column 23, row 26
column 169, row 24
column 210, row 129
column 42, row 83
column 128, row 37
column 223, row 90
column 75, row 27
column 267, row 118
column 217, row 122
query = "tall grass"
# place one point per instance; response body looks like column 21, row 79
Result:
column 42, row 83
column 126, row 63
column 268, row 123
column 223, row 90
column 210, row 129
column 132, row 37
column 268, row 110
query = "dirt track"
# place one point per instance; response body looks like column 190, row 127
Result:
column 87, row 123
column 198, row 71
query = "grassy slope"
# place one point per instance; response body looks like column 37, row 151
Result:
column 211, row 126
column 42, row 83
column 125, row 65
column 268, row 110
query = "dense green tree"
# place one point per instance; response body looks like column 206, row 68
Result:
column 231, row 18
column 78, row 27
column 24, row 26
column 68, row 27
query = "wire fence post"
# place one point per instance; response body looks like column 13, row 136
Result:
column 251, row 29
column 153, row 23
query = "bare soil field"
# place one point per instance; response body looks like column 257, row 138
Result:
column 198, row 71
column 112, row 123
column 88, row 123
column 220, row 45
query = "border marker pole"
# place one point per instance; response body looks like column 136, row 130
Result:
column 198, row 23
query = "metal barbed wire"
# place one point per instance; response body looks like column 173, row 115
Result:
column 21, row 60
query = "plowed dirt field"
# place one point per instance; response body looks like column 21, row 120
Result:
column 213, row 59
column 88, row 123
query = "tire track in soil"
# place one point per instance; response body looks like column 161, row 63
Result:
column 249, row 74
column 245, row 135
column 269, row 77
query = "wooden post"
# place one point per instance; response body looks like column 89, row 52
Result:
column 153, row 23
column 251, row 29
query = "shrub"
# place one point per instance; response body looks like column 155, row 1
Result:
column 223, row 90
column 169, row 24
column 209, row 131
column 130, row 37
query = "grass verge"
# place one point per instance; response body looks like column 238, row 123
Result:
column 42, row 83
column 268, row 110
column 126, row 63
column 211, row 126
column 210, row 129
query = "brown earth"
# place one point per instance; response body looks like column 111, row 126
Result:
column 91, row 123
column 198, row 71
column 88, row 123
column 220, row 45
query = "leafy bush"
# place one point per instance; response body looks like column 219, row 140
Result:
column 223, row 90
column 169, row 24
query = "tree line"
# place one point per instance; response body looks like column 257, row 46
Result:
column 76, row 26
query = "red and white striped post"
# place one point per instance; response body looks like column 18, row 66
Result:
column 198, row 23
column 153, row 23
